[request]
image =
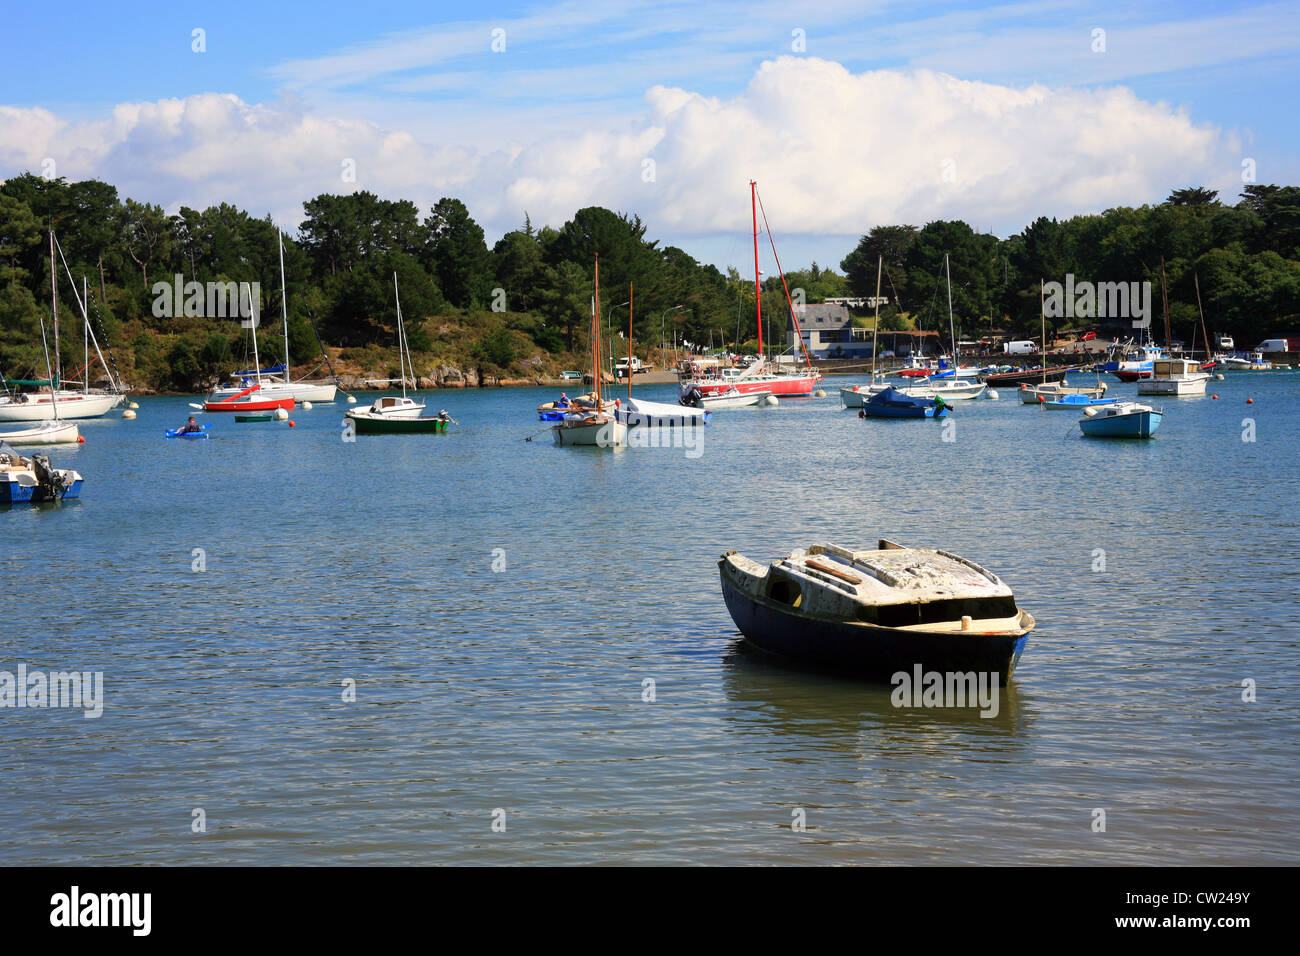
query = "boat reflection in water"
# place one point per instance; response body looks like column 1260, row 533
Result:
column 839, row 714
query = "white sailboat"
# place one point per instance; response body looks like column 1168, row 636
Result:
column 393, row 406
column 57, row 402
column 300, row 391
column 595, row 427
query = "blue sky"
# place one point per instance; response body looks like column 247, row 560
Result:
column 416, row 90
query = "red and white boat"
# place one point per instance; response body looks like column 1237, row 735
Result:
column 245, row 401
column 699, row 379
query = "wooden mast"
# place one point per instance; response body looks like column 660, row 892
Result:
column 1205, row 335
column 1164, row 294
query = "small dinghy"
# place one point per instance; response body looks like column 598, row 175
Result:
column 46, row 433
column 1076, row 400
column 182, row 433
column 891, row 403
column 33, row 480
column 1122, row 420
column 876, row 613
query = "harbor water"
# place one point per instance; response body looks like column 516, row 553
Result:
column 544, row 671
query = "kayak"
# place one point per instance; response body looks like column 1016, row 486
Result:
column 177, row 433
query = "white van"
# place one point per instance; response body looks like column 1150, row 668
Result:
column 1023, row 347
column 1272, row 345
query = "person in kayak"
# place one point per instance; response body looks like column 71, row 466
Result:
column 190, row 427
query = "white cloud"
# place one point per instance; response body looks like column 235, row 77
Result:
column 834, row 153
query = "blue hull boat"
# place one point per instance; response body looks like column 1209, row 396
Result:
column 876, row 613
column 33, row 480
column 1078, row 401
column 891, row 403
column 1122, row 420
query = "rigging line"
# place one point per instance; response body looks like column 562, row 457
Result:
column 798, row 331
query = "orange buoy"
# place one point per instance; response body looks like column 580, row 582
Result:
column 1250, row 401
column 81, row 439
column 291, row 423
column 1215, row 397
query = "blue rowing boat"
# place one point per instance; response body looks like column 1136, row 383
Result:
column 1123, row 420
column 1076, row 400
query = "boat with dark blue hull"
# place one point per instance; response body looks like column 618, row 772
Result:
column 878, row 612
column 891, row 403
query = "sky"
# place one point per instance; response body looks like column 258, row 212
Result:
column 848, row 114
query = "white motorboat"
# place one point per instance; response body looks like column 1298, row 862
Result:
column 46, row 433
column 34, row 480
column 1174, row 377
column 389, row 406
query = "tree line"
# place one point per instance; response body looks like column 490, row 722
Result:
column 1244, row 257
column 523, row 303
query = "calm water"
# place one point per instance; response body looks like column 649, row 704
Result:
column 522, row 689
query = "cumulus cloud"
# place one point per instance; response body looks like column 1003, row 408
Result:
column 834, row 152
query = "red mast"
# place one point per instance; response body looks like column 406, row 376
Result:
column 758, row 289
column 595, row 340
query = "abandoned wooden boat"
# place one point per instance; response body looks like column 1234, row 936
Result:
column 875, row 613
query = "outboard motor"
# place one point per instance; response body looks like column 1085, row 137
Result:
column 49, row 481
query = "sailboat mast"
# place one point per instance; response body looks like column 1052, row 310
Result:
column 252, row 311
column 401, row 336
column 758, row 288
column 1197, row 280
column 951, row 335
column 54, row 299
column 1164, row 294
column 595, row 352
column 875, row 327
column 284, row 306
column 629, row 343
column 49, row 373
column 85, row 333
column 1042, row 314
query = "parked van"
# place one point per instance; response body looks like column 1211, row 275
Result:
column 1278, row 345
column 1023, row 347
